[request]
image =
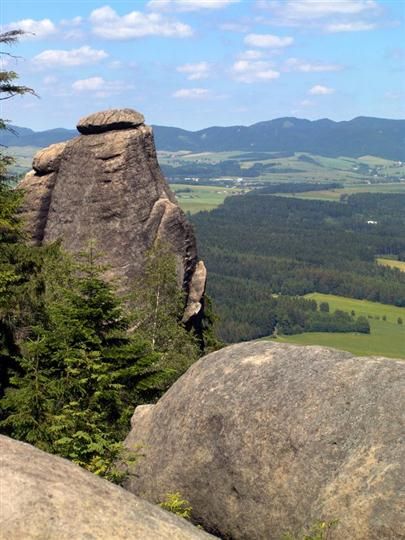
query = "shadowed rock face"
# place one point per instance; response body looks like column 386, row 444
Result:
column 46, row 497
column 106, row 186
column 262, row 438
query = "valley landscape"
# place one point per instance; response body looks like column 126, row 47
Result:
column 203, row 180
column 202, row 270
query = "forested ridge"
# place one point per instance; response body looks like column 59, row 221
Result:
column 357, row 137
column 260, row 245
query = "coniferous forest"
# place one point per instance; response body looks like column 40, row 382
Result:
column 262, row 251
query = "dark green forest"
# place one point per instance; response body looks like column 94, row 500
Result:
column 229, row 167
column 260, row 245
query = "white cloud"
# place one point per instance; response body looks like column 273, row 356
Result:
column 195, row 71
column 349, row 27
column 75, row 57
column 100, row 87
column 250, row 54
column 268, row 41
column 327, row 15
column 90, row 84
column 109, row 25
column 294, row 64
column 35, row 29
column 188, row 5
column 74, row 34
column 318, row 9
column 71, row 28
column 76, row 21
column 192, row 93
column 319, row 90
column 253, row 71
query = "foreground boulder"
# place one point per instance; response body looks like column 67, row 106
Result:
column 106, row 185
column 46, row 497
column 262, row 438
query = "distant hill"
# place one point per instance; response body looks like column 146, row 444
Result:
column 358, row 137
column 20, row 136
column 354, row 138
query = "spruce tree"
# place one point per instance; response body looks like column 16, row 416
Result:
column 17, row 261
column 80, row 374
column 158, row 305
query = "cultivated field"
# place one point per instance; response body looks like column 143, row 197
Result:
column 194, row 198
column 387, row 338
column 198, row 198
column 300, row 167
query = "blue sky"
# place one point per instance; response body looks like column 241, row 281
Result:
column 197, row 63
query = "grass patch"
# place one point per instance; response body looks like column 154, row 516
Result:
column 387, row 337
column 198, row 198
column 392, row 263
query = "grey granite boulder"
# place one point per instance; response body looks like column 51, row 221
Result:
column 46, row 497
column 262, row 438
column 107, row 186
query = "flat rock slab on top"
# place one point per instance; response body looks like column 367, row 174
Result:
column 112, row 119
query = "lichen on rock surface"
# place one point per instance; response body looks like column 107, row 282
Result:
column 262, row 438
column 106, row 185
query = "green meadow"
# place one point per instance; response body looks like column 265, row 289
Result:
column 198, row 198
column 387, row 337
column 194, row 198
column 392, row 263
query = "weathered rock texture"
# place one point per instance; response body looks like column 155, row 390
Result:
column 46, row 497
column 100, row 122
column 264, row 437
column 106, row 186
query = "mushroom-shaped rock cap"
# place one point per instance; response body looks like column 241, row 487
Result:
column 100, row 122
column 47, row 160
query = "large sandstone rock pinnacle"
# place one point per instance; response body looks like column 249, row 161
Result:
column 106, row 185
column 263, row 438
column 47, row 497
